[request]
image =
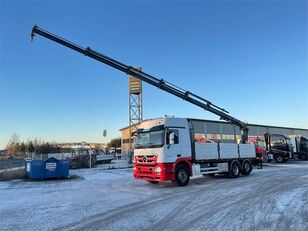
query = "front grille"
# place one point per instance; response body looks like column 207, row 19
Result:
column 151, row 159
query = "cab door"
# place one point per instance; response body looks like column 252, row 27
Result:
column 177, row 143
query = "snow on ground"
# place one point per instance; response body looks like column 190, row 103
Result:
column 272, row 198
column 11, row 169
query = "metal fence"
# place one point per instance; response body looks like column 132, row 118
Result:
column 12, row 163
column 34, row 156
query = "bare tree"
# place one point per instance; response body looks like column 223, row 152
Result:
column 11, row 146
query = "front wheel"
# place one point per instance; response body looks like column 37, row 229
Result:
column 182, row 175
column 279, row 159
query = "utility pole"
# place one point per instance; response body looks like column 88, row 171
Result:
column 105, row 140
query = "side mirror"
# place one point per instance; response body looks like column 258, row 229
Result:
column 171, row 138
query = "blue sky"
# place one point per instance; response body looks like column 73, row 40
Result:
column 247, row 57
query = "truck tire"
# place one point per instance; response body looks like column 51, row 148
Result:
column 87, row 163
column 74, row 165
column 279, row 158
column 303, row 157
column 246, row 167
column 181, row 175
column 234, row 169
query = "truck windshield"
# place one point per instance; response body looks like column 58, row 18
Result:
column 150, row 139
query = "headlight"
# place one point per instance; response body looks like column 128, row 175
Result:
column 157, row 169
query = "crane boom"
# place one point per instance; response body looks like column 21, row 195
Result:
column 160, row 83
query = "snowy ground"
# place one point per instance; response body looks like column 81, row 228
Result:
column 274, row 198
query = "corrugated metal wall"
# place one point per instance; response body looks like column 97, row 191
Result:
column 226, row 132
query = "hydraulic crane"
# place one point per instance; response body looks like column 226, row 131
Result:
column 160, row 83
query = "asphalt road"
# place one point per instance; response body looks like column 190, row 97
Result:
column 274, row 198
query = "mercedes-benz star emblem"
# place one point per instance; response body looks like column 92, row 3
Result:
column 144, row 159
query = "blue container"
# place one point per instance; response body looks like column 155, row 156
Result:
column 50, row 168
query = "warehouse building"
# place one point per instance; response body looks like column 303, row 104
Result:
column 125, row 138
column 223, row 132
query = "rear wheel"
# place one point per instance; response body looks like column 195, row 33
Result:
column 181, row 175
column 87, row 163
column 246, row 167
column 234, row 169
column 279, row 158
column 303, row 157
column 74, row 165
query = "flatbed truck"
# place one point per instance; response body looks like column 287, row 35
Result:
column 165, row 150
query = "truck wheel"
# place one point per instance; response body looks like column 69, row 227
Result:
column 246, row 168
column 153, row 182
column 303, row 157
column 234, row 169
column 279, row 158
column 87, row 163
column 181, row 175
column 74, row 165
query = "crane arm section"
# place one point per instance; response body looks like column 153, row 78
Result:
column 160, row 83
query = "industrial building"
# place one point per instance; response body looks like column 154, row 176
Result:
column 222, row 132
column 125, row 135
